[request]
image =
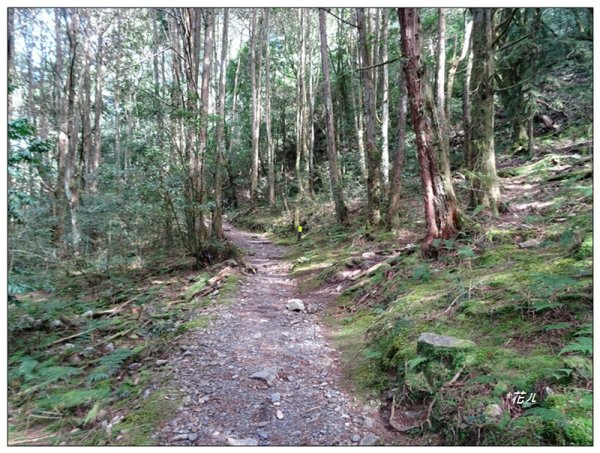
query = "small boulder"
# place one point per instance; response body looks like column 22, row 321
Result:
column 493, row 412
column 529, row 244
column 295, row 305
column 431, row 344
column 56, row 324
column 370, row 439
column 267, row 375
column 368, row 422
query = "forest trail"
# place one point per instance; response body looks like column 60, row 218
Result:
column 302, row 404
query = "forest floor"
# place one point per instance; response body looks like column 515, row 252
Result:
column 298, row 396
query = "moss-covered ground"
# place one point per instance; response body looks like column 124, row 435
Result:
column 97, row 344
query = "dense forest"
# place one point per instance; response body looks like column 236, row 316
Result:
column 425, row 173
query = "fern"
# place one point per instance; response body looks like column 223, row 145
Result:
column 414, row 363
column 421, row 273
column 110, row 364
column 92, row 414
column 587, row 330
column 583, row 345
column 52, row 374
column 26, row 368
column 546, row 414
column 73, row 398
column 559, row 326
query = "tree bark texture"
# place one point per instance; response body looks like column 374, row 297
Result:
column 334, row 172
column 441, row 214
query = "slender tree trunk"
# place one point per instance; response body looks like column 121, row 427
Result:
column 71, row 182
column 454, row 67
column 485, row 186
column 357, row 107
column 86, row 111
column 466, row 101
column 204, row 108
column 439, row 111
column 217, row 224
column 10, row 57
column 63, row 138
column 300, row 105
column 235, row 132
column 396, row 177
column 97, row 142
column 255, row 74
column 373, row 151
column 385, row 109
column 117, row 98
column 441, row 214
column 334, row 172
column 270, row 141
column 308, row 123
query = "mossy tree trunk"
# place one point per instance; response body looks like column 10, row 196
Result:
column 485, row 188
column 334, row 172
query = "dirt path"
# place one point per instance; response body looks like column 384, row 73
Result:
column 302, row 404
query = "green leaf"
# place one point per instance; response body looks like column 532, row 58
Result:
column 466, row 252
column 541, row 306
column 92, row 414
column 26, row 368
column 559, row 326
column 546, row 414
column 414, row 363
column 583, row 345
column 587, row 330
column 421, row 273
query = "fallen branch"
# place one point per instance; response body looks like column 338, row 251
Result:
column 72, row 336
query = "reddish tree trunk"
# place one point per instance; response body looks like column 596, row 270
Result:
column 441, row 213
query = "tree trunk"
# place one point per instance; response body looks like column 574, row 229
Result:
column 466, row 106
column 439, row 111
column 71, row 182
column 441, row 214
column 117, row 97
column 385, row 109
column 86, row 111
column 255, row 74
column 300, row 105
column 373, row 152
column 334, row 172
column 396, row 176
column 97, row 145
column 235, row 132
column 10, row 57
column 208, row 14
column 357, row 108
column 270, row 142
column 454, row 67
column 485, row 187
column 217, row 223
column 63, row 138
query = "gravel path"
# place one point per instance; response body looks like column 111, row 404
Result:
column 262, row 374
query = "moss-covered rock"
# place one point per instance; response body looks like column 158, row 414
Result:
column 434, row 345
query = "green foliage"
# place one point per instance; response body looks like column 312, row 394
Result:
column 583, row 345
column 73, row 398
column 421, row 272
